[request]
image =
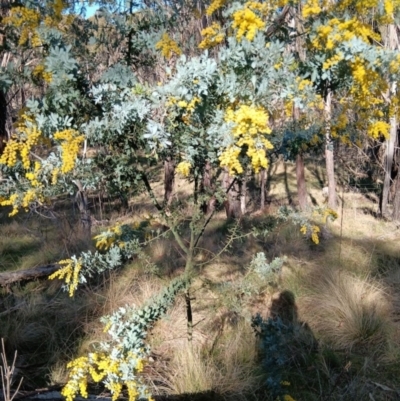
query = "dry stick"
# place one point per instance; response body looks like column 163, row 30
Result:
column 7, row 373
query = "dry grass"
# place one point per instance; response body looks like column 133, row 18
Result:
column 226, row 366
column 346, row 290
column 348, row 311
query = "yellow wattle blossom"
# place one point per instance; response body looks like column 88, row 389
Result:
column 106, row 239
column 28, row 20
column 26, row 138
column 250, row 128
column 184, row 168
column 378, row 128
column 11, row 201
column 71, row 141
column 214, row 6
column 335, row 32
column 315, row 234
column 40, row 72
column 247, row 22
column 168, row 46
column 335, row 59
column 311, row 8
column 99, row 366
column 69, row 273
column 212, row 36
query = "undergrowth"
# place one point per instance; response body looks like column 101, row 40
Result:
column 325, row 317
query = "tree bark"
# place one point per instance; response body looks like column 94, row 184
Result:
column 263, row 179
column 396, row 201
column 301, row 182
column 329, row 157
column 9, row 278
column 84, row 211
column 232, row 203
column 389, row 154
column 206, row 188
column 3, row 119
column 391, row 41
column 169, row 180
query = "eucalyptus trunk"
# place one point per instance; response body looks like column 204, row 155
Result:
column 3, row 119
column 390, row 41
column 329, row 154
column 301, row 182
column 233, row 199
column 169, row 180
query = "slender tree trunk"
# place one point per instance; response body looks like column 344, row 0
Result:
column 206, row 188
column 391, row 41
column 3, row 119
column 389, row 154
column 232, row 203
column 329, row 158
column 396, row 201
column 300, row 173
column 263, row 178
column 301, row 182
column 169, row 180
column 83, row 206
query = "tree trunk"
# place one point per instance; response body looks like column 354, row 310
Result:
column 329, row 159
column 396, row 201
column 389, row 154
column 83, row 206
column 263, row 178
column 232, row 203
column 390, row 41
column 3, row 119
column 169, row 180
column 206, row 189
column 301, row 182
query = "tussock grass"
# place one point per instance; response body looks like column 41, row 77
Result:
column 226, row 366
column 348, row 311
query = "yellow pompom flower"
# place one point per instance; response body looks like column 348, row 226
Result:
column 168, row 46
column 184, row 168
column 70, row 144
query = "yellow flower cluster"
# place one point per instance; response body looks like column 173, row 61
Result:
column 336, row 32
column 311, row 8
column 189, row 106
column 212, row 36
column 250, row 123
column 367, row 87
column 28, row 137
column 214, row 6
column 184, row 168
column 11, row 201
column 40, row 73
column 335, row 59
column 378, row 128
column 329, row 213
column 70, row 148
column 247, row 22
column 105, row 240
column 70, row 272
column 168, row 46
column 315, row 230
column 98, row 366
column 28, row 20
column 32, row 176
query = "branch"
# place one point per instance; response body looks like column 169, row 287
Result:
column 28, row 274
column 210, row 217
column 150, row 191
